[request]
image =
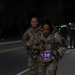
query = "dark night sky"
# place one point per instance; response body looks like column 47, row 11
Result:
column 34, row 6
column 15, row 13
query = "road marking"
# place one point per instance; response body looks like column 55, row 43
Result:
column 22, row 72
column 10, row 42
column 7, row 50
column 69, row 51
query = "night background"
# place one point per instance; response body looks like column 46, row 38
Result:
column 15, row 18
column 15, row 14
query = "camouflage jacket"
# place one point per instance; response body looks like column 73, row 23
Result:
column 59, row 44
column 28, row 35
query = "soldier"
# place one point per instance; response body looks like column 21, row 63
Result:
column 29, row 36
column 51, row 48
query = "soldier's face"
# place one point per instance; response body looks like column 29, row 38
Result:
column 46, row 30
column 34, row 22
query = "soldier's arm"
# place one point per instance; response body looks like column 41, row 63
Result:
column 62, row 43
column 25, row 38
column 35, row 44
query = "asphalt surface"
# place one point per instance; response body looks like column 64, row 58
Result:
column 66, row 66
column 13, row 58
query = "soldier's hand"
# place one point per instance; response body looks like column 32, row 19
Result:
column 29, row 43
column 54, row 52
column 40, row 48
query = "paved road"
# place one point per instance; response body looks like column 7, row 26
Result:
column 66, row 66
column 13, row 58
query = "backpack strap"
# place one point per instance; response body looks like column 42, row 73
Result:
column 54, row 46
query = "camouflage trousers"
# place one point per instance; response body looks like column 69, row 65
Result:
column 47, row 68
column 33, row 63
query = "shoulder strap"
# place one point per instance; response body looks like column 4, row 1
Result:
column 54, row 47
column 52, row 35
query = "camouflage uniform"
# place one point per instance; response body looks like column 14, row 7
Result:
column 49, row 66
column 30, row 37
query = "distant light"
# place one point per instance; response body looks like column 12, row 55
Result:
column 74, row 28
column 68, row 46
column 71, row 28
column 69, row 23
column 72, row 46
column 63, row 26
column 59, row 28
